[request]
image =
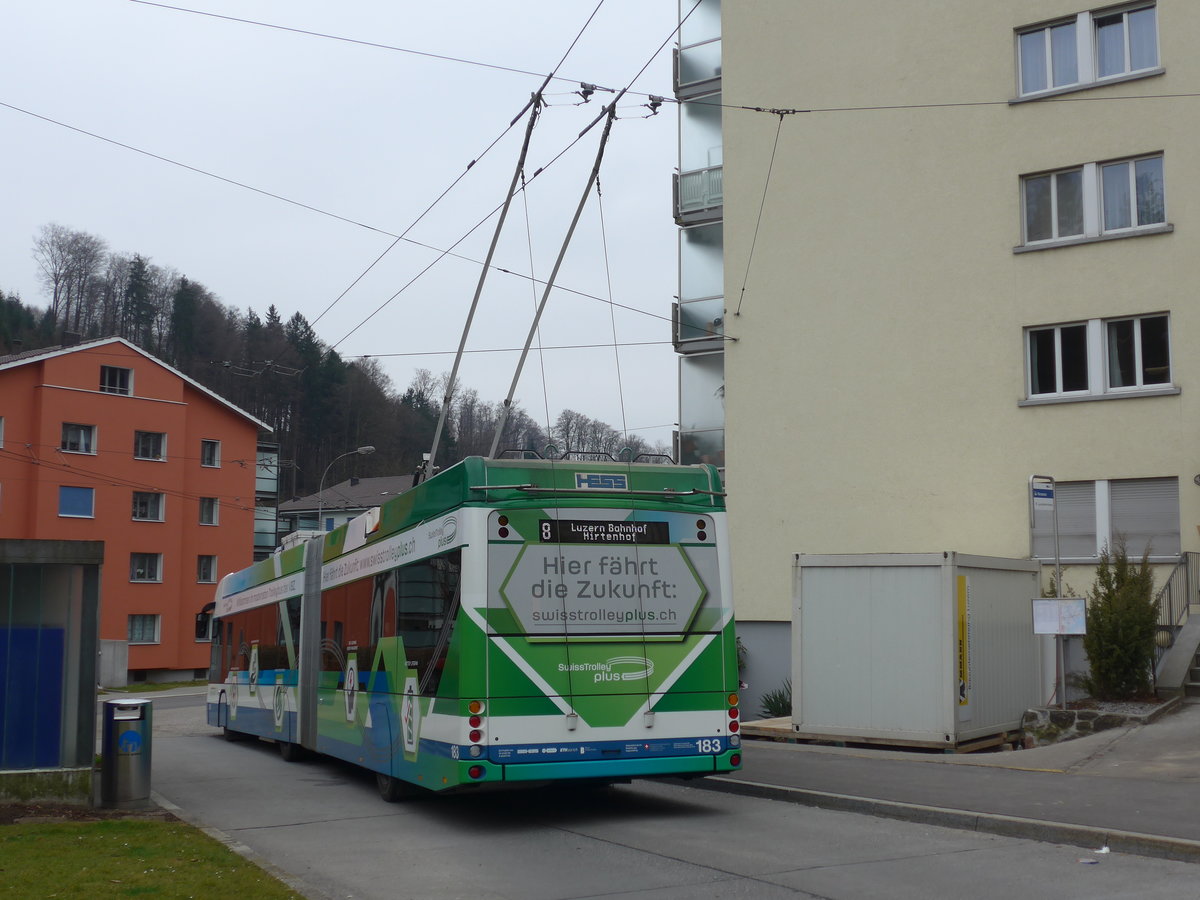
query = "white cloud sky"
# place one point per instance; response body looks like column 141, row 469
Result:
column 372, row 135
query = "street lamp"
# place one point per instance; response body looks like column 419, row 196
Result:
column 361, row 451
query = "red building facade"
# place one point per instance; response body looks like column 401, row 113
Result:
column 101, row 441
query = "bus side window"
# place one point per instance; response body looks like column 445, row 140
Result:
column 425, row 615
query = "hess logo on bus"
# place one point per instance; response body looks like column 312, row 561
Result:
column 601, row 482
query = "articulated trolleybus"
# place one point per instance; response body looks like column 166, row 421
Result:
column 505, row 621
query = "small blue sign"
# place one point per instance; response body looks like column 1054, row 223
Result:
column 129, row 742
column 1043, row 495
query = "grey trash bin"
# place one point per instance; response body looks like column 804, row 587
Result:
column 125, row 756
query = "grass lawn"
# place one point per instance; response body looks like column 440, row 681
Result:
column 126, row 858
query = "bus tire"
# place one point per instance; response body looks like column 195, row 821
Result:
column 393, row 790
column 291, row 752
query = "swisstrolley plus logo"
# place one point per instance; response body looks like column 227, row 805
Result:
column 592, row 481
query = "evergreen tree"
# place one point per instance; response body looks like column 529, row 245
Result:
column 1122, row 619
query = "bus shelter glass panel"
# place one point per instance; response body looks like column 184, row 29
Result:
column 47, row 667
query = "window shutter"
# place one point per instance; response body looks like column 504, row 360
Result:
column 1145, row 512
column 1076, row 502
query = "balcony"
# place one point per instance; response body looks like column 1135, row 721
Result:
column 699, row 196
column 697, row 69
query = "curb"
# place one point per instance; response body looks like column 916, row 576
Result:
column 1087, row 836
column 298, row 885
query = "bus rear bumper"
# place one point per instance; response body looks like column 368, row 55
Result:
column 622, row 768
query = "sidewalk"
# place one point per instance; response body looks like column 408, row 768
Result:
column 1134, row 789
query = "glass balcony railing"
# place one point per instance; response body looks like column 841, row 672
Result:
column 699, row 195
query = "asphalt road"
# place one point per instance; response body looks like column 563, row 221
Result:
column 322, row 824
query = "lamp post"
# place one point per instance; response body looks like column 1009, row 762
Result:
column 361, row 451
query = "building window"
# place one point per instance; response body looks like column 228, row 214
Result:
column 78, row 438
column 1126, row 42
column 1141, row 513
column 1094, row 200
column 210, row 454
column 143, row 629
column 1, row 431
column 208, row 510
column 145, row 567
column 204, row 625
column 206, row 569
column 1133, row 193
column 149, row 445
column 1088, row 49
column 1100, row 357
column 1054, row 205
column 76, row 502
column 1139, row 353
column 114, row 380
column 147, row 507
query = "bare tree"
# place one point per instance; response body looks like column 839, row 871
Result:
column 69, row 263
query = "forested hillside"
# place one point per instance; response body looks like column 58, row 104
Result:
column 318, row 404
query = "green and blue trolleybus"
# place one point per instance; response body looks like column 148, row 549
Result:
column 504, row 621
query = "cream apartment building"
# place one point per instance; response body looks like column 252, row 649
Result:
column 959, row 245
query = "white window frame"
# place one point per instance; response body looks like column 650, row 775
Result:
column 137, row 450
column 116, row 380
column 1086, row 52
column 215, row 461
column 155, row 621
column 89, row 430
column 1099, row 376
column 210, row 505
column 1133, row 495
column 91, row 514
column 150, row 563
column 1, row 432
column 161, row 504
column 201, row 576
column 1093, row 205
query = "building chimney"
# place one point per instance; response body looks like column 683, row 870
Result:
column 71, row 338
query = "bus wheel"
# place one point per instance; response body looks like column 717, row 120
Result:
column 392, row 789
column 290, row 752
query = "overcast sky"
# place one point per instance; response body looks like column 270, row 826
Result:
column 372, row 136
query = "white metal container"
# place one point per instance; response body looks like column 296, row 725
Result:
column 929, row 649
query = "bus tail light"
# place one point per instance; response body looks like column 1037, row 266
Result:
column 476, row 736
column 734, row 726
column 475, row 707
column 735, row 760
column 475, row 721
column 475, row 771
column 733, row 699
column 733, row 713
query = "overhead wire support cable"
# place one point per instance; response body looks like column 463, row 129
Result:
column 609, row 114
column 535, row 107
column 444, row 57
column 762, row 205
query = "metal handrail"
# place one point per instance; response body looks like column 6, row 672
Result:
column 1176, row 595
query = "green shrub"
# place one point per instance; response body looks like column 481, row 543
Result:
column 777, row 704
column 1122, row 618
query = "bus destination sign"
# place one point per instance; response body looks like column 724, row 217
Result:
column 587, row 531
